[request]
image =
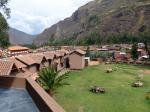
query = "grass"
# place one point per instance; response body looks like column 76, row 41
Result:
column 119, row 97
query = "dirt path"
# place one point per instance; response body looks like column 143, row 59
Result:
column 146, row 72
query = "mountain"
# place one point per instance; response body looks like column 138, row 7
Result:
column 18, row 37
column 105, row 17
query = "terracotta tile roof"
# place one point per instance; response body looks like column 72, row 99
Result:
column 18, row 63
column 49, row 55
column 26, row 59
column 114, row 48
column 64, row 51
column 15, row 48
column 6, row 67
column 79, row 51
column 37, row 58
column 57, row 53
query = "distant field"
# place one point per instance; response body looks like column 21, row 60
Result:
column 120, row 96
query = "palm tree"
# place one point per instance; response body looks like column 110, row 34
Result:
column 49, row 79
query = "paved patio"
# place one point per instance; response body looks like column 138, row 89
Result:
column 16, row 100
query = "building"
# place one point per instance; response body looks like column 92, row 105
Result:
column 19, row 65
column 141, row 45
column 122, row 56
column 40, row 60
column 58, row 60
column 50, row 58
column 142, row 53
column 17, row 50
column 77, row 59
column 32, row 65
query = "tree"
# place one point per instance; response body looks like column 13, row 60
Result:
column 134, row 51
column 145, row 38
column 87, row 52
column 4, row 40
column 3, row 6
column 50, row 80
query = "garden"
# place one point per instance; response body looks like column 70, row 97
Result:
column 118, row 93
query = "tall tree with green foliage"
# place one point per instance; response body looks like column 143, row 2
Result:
column 4, row 41
column 50, row 80
column 134, row 51
column 87, row 52
column 145, row 38
column 4, row 7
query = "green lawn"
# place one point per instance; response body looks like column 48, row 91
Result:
column 120, row 96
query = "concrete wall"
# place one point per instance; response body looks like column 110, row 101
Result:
column 50, row 62
column 58, row 61
column 76, row 61
column 46, row 64
column 33, row 68
column 18, row 73
column 41, row 98
column 12, row 81
column 41, row 66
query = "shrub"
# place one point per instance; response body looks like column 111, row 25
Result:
column 50, row 80
column 100, row 54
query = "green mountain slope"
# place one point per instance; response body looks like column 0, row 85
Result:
column 105, row 17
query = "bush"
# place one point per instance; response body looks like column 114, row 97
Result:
column 102, row 54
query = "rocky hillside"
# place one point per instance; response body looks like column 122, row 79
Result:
column 18, row 37
column 105, row 17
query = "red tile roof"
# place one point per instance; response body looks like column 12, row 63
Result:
column 57, row 53
column 49, row 55
column 6, row 67
column 79, row 51
column 16, row 48
column 64, row 51
column 18, row 63
column 26, row 59
column 37, row 58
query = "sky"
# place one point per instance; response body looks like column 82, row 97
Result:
column 33, row 16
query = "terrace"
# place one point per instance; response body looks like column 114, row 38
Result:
column 16, row 100
column 25, row 95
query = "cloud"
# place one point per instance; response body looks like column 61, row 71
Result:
column 33, row 16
